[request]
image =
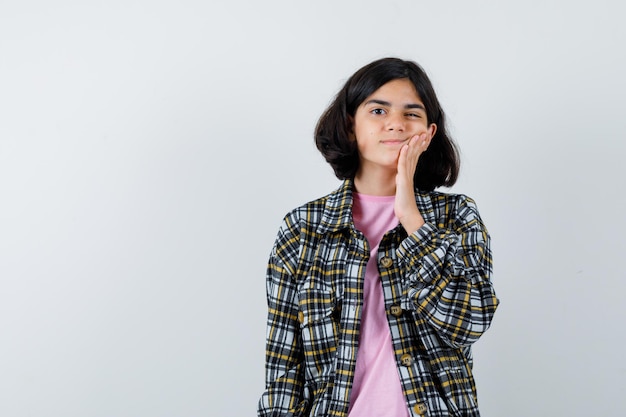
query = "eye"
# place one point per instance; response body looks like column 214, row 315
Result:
column 414, row 115
column 377, row 111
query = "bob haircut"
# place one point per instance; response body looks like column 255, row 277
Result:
column 438, row 165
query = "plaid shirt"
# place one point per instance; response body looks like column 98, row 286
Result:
column 438, row 297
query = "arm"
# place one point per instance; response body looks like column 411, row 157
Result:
column 447, row 268
column 284, row 377
column 448, row 275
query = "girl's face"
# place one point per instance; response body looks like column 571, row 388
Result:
column 386, row 121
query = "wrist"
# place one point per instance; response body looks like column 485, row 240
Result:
column 412, row 222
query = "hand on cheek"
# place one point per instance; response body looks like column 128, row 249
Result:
column 410, row 153
column 405, row 206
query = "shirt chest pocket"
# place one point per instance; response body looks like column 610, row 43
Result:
column 319, row 327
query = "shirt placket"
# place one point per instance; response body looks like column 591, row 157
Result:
column 410, row 358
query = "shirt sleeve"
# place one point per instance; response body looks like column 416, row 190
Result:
column 284, row 377
column 448, row 275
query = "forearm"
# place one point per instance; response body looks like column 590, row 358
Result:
column 448, row 280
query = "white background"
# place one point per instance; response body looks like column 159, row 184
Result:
column 149, row 149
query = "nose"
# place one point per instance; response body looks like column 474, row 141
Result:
column 395, row 122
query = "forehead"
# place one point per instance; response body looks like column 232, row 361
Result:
column 400, row 90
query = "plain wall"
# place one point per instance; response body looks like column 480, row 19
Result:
column 149, row 150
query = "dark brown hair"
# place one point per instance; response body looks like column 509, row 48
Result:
column 438, row 165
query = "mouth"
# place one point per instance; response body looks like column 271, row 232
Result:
column 393, row 141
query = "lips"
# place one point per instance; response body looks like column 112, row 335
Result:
column 393, row 141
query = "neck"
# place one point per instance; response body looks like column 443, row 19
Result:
column 379, row 183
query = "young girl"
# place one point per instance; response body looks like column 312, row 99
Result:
column 376, row 291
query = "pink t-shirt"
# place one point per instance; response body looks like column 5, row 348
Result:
column 376, row 389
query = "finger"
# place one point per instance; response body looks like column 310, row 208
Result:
column 415, row 140
column 418, row 144
column 424, row 141
column 410, row 153
column 402, row 158
column 420, row 140
column 408, row 157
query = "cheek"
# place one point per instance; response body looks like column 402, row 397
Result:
column 362, row 134
column 422, row 127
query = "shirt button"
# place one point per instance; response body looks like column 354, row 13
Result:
column 420, row 408
column 395, row 310
column 406, row 360
column 386, row 261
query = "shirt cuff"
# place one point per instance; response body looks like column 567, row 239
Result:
column 416, row 245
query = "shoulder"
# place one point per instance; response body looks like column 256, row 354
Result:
column 308, row 214
column 450, row 199
column 331, row 212
column 307, row 218
column 446, row 208
column 299, row 230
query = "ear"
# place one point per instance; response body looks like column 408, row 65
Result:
column 432, row 129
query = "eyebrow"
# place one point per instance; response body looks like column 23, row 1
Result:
column 388, row 104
